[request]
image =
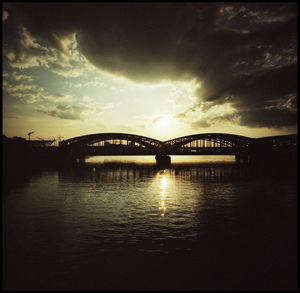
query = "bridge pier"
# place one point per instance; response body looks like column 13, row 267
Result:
column 163, row 161
column 80, row 160
column 244, row 158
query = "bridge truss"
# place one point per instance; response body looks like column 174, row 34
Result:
column 197, row 144
column 207, row 144
column 112, row 144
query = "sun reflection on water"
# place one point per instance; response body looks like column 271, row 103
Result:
column 163, row 185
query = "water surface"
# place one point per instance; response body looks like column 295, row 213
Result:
column 131, row 226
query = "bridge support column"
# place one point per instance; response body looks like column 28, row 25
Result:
column 80, row 160
column 237, row 158
column 242, row 158
column 163, row 161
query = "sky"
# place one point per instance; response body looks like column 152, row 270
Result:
column 162, row 70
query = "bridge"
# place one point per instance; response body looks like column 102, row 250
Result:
column 108, row 144
column 115, row 144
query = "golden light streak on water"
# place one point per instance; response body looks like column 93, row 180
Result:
column 151, row 159
column 163, row 194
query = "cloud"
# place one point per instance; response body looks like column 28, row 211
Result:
column 58, row 97
column 95, row 83
column 28, row 93
column 270, row 117
column 120, row 46
column 26, row 51
column 244, row 52
column 69, row 112
column 273, row 117
column 291, row 103
column 21, row 88
column 200, row 124
column 16, row 77
column 269, row 16
column 62, row 106
column 28, row 98
column 217, row 115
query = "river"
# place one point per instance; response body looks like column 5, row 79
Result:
column 129, row 226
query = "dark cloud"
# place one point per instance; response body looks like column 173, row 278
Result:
column 273, row 117
column 243, row 53
column 256, row 88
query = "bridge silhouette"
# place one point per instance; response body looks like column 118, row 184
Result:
column 122, row 144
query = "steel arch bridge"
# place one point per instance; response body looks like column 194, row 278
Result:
column 207, row 144
column 112, row 144
column 132, row 144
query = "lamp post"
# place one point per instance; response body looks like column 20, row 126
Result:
column 29, row 134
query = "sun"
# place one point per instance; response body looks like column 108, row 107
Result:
column 163, row 126
column 164, row 122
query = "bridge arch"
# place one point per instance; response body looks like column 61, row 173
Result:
column 196, row 144
column 208, row 141
column 113, row 139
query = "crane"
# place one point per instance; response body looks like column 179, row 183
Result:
column 29, row 134
column 60, row 139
